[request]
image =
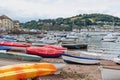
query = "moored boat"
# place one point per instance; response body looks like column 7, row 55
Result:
column 75, row 46
column 110, row 38
column 67, row 41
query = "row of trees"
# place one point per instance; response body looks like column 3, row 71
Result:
column 67, row 24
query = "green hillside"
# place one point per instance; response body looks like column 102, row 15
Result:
column 82, row 20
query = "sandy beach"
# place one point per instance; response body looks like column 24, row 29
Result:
column 71, row 71
column 74, row 72
column 77, row 71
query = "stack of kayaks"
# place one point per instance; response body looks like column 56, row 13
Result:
column 45, row 51
column 26, row 71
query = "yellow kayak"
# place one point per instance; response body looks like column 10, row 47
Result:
column 26, row 70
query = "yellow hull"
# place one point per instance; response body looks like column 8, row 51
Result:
column 26, row 70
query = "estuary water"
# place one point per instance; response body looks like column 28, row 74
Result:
column 95, row 44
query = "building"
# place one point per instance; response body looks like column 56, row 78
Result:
column 16, row 24
column 8, row 23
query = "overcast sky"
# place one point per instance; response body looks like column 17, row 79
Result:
column 26, row 10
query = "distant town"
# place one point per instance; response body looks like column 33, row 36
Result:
column 14, row 26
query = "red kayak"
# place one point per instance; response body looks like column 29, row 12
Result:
column 44, row 52
column 56, row 47
column 14, row 44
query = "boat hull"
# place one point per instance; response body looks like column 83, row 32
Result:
column 80, row 60
column 20, row 56
column 26, row 70
column 75, row 46
column 117, row 60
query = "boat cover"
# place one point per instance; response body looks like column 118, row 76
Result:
column 14, row 44
column 55, row 47
column 44, row 52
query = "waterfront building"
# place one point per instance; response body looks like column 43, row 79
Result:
column 8, row 23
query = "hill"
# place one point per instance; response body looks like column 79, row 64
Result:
column 78, row 21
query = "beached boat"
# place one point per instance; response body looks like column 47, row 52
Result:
column 5, row 47
column 26, row 70
column 75, row 46
column 109, row 73
column 102, row 54
column 80, row 59
column 38, row 44
column 19, row 56
column 117, row 59
column 65, row 41
column 56, row 47
column 44, row 51
column 8, row 38
column 14, row 44
column 72, row 35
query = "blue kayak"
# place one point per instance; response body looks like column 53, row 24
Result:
column 5, row 47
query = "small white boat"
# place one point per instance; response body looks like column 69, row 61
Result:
column 50, row 39
column 39, row 44
column 110, row 73
column 72, row 35
column 106, row 55
column 118, row 40
column 117, row 60
column 110, row 38
column 65, row 40
column 75, row 46
column 80, row 59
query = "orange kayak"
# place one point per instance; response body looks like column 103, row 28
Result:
column 26, row 70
